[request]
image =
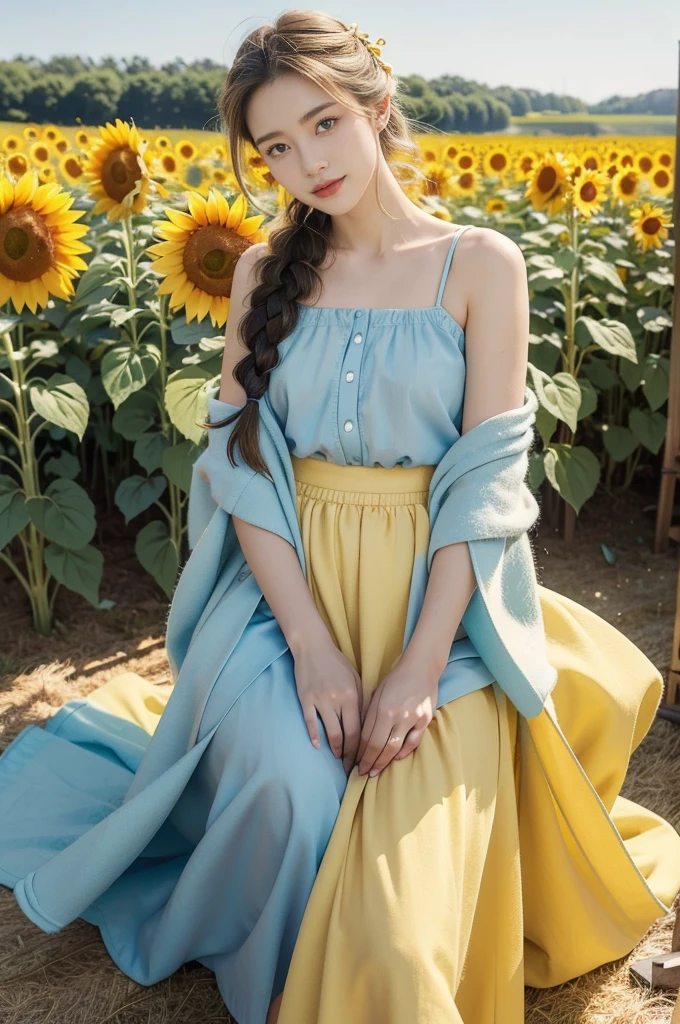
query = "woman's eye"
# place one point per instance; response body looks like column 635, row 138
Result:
column 324, row 120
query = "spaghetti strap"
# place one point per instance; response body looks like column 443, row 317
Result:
column 447, row 262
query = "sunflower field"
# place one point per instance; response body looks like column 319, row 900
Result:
column 116, row 259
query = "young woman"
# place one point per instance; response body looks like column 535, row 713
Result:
column 386, row 784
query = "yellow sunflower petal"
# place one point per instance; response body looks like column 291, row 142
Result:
column 5, row 289
column 181, row 219
column 211, row 210
column 25, row 188
column 237, row 211
column 196, row 205
column 165, row 248
column 249, row 225
column 172, row 234
column 191, row 304
column 222, row 207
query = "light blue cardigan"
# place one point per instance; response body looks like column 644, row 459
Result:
column 478, row 494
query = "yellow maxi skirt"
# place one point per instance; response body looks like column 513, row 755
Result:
column 499, row 853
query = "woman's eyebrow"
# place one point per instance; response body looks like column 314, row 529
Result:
column 303, row 119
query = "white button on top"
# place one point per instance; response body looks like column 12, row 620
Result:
column 349, row 376
column 358, row 338
column 349, row 425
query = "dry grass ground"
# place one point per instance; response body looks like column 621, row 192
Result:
column 69, row 977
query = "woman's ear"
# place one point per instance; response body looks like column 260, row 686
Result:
column 383, row 112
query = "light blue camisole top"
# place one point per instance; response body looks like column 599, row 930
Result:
column 372, row 387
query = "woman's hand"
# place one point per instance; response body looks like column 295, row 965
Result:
column 400, row 710
column 327, row 682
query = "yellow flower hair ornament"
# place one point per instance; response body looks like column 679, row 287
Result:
column 373, row 47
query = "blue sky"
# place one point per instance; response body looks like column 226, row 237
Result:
column 588, row 48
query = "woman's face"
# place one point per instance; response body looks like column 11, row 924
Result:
column 304, row 145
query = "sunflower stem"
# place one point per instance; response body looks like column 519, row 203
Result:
column 174, row 494
column 32, row 541
column 129, row 242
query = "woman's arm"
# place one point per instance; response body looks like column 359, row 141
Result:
column 276, row 567
column 274, row 563
column 496, row 353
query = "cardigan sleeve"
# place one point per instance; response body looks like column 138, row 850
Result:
column 239, row 490
column 479, row 495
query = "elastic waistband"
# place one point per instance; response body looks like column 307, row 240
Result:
column 358, row 481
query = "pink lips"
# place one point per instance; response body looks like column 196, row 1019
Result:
column 330, row 189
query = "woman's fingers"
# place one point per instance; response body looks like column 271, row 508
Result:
column 331, row 720
column 351, row 725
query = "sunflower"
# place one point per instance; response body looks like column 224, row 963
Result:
column 186, row 149
column 441, row 213
column 650, row 226
column 200, row 253
column 40, row 153
column 660, row 180
column 51, row 133
column 196, row 178
column 118, row 175
column 12, row 143
column 644, row 163
column 82, row 138
column 590, row 191
column 46, row 174
column 427, row 154
column 31, row 132
column 38, row 242
column 625, row 185
column 496, row 206
column 663, row 157
column 467, row 183
column 71, row 167
column 590, row 159
column 162, row 142
column 549, row 185
column 524, row 164
column 438, row 179
column 465, row 160
column 496, row 162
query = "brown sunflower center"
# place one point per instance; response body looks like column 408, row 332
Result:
column 210, row 255
column 465, row 163
column 41, row 154
column 651, row 225
column 465, row 181
column 26, row 245
column 120, row 173
column 18, row 164
column 627, row 185
column 547, row 179
column 661, row 178
column 588, row 192
column 498, row 162
column 73, row 167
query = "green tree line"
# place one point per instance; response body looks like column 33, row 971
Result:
column 68, row 89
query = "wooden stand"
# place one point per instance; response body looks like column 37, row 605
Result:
column 663, row 970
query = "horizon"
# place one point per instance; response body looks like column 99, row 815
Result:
column 521, row 54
